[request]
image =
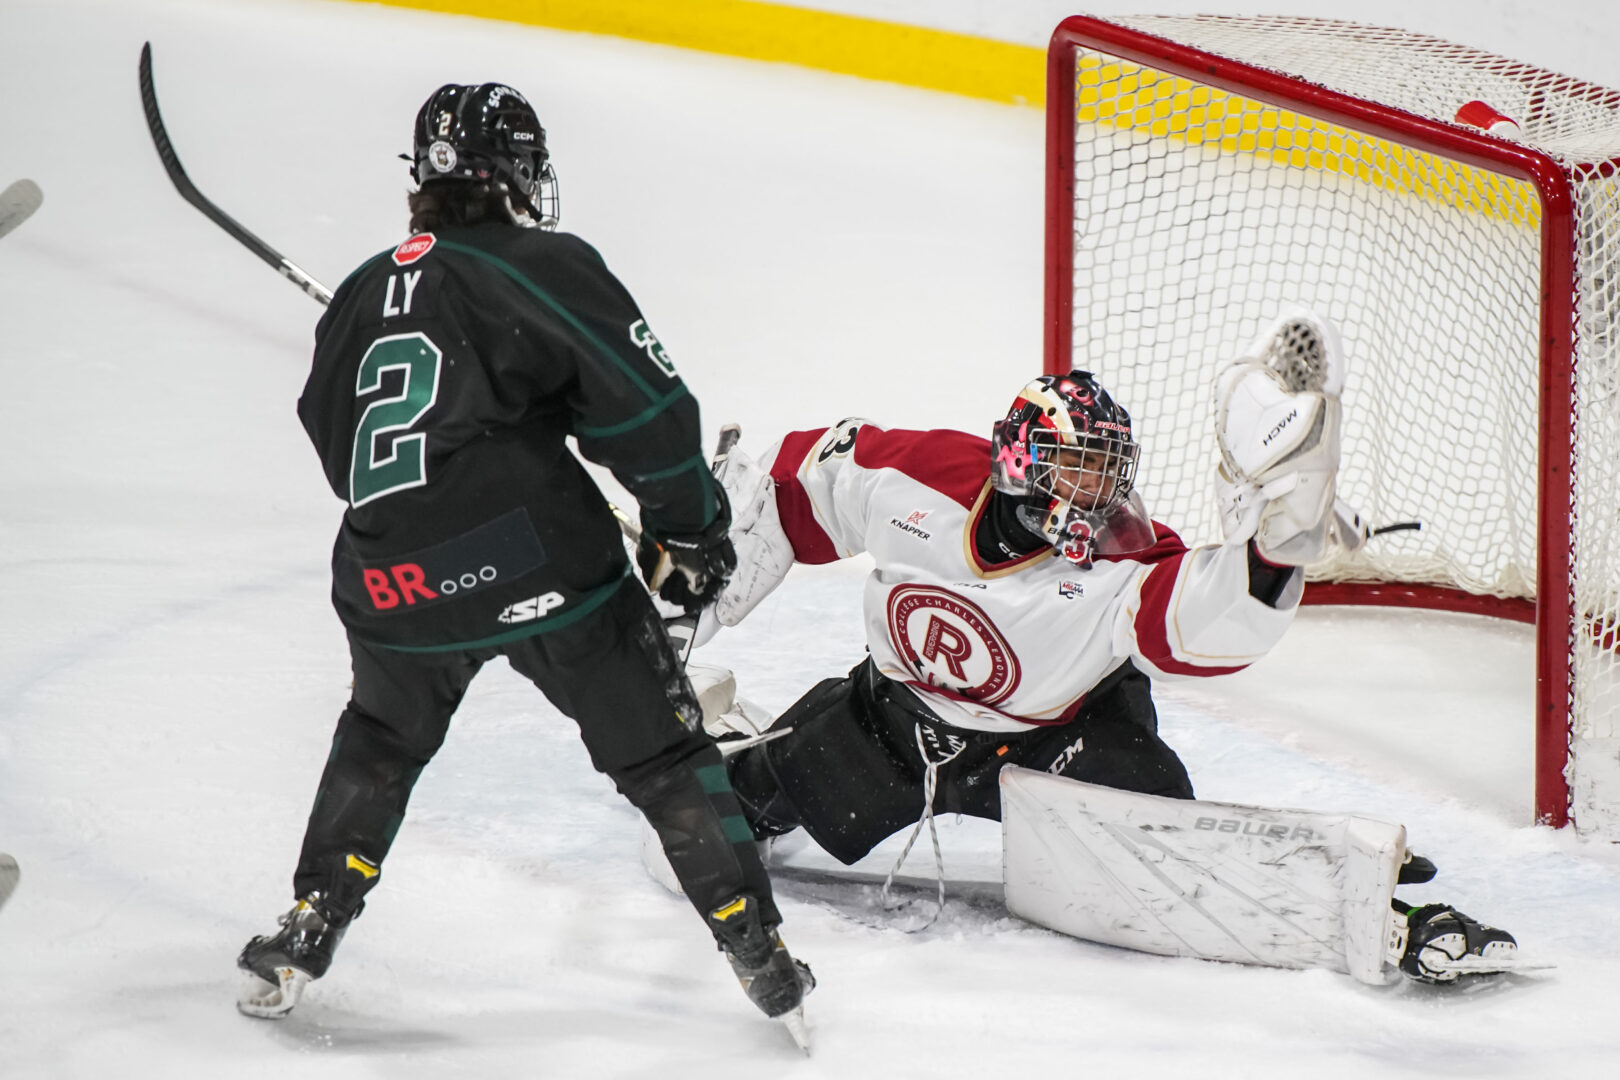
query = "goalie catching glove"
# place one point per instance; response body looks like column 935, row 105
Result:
column 1277, row 422
column 689, row 569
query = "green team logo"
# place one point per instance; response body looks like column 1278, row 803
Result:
column 643, row 338
column 380, row 466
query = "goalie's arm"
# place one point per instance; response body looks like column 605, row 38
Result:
column 1199, row 612
column 806, row 501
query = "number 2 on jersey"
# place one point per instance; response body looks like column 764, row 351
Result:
column 401, row 462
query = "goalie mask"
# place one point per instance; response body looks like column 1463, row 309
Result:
column 1066, row 454
column 487, row 132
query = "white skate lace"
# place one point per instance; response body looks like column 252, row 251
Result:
column 930, row 783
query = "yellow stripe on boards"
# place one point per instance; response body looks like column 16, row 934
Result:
column 845, row 44
column 1121, row 94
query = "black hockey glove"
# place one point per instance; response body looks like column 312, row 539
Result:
column 688, row 570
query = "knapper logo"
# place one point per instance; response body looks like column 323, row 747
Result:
column 950, row 643
column 413, row 249
column 913, row 524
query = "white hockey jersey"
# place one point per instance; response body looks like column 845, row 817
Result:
column 1011, row 646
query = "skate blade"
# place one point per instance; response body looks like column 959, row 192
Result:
column 272, row 1001
column 1497, row 963
column 793, row 1020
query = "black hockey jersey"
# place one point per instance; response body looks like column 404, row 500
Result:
column 447, row 373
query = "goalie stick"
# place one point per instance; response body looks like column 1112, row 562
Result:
column 682, row 629
column 188, row 191
column 17, row 203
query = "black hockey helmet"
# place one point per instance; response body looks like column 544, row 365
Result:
column 486, row 132
column 1066, row 453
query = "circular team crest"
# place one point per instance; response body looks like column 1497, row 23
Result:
column 442, row 156
column 948, row 642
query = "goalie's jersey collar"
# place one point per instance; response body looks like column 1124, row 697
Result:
column 996, row 541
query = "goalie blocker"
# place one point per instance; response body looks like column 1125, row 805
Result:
column 1220, row 881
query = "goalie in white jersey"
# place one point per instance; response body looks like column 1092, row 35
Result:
column 1023, row 599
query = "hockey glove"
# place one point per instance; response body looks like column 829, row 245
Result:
column 688, row 570
column 1277, row 423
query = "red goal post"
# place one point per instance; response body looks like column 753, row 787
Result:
column 1203, row 170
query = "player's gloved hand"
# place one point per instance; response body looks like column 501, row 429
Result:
column 690, row 569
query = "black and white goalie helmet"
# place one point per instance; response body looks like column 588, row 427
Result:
column 1066, row 452
column 487, row 132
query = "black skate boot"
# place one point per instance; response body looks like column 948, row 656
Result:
column 1442, row 945
column 282, row 964
column 771, row 978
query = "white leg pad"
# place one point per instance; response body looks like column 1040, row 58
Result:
column 1217, row 881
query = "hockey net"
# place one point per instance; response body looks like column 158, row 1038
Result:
column 1203, row 170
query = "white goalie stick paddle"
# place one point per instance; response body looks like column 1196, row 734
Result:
column 188, row 191
column 18, row 203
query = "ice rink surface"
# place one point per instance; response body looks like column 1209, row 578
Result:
column 809, row 247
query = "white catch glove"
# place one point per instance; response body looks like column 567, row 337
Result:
column 764, row 552
column 1277, row 422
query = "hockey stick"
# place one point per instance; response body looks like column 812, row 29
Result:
column 17, row 203
column 188, row 191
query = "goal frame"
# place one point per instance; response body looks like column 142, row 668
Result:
column 1552, row 611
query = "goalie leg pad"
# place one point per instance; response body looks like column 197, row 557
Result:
column 1217, row 881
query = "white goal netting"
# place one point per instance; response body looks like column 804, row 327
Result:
column 1199, row 207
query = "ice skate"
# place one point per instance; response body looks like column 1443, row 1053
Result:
column 1437, row 944
column 771, row 978
column 281, row 966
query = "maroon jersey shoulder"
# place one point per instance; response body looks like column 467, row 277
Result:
column 953, row 463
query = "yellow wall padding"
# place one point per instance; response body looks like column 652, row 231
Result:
column 846, row 44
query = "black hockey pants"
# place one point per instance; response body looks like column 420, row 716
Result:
column 851, row 773
column 614, row 672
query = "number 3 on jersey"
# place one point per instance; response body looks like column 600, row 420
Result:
column 382, row 466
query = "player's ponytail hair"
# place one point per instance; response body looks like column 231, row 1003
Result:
column 454, row 202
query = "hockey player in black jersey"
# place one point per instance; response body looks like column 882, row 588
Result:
column 447, row 373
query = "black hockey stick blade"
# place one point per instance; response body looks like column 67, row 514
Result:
column 8, row 877
column 188, row 191
column 18, row 203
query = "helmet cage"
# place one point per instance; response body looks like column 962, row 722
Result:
column 1092, row 472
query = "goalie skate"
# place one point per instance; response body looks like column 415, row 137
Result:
column 1439, row 945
